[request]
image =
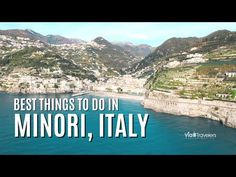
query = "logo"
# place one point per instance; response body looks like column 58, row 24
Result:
column 197, row 135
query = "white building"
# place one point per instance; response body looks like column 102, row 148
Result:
column 230, row 74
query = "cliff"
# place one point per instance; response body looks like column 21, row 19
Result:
column 225, row 112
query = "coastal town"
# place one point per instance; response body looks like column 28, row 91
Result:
column 52, row 78
column 180, row 77
column 21, row 82
column 197, row 72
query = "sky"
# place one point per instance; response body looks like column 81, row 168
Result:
column 152, row 33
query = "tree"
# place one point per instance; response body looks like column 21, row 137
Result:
column 23, row 86
column 119, row 90
column 233, row 93
column 72, row 86
column 46, row 87
column 56, row 86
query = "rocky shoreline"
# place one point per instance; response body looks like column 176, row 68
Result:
column 224, row 112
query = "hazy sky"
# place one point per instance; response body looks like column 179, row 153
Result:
column 138, row 33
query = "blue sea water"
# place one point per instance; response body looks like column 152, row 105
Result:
column 165, row 134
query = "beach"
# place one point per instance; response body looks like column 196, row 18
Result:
column 117, row 95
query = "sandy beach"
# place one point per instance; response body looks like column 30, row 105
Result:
column 117, row 95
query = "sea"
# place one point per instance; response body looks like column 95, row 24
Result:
column 166, row 134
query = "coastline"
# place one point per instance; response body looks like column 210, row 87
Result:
column 95, row 93
column 117, row 95
column 224, row 112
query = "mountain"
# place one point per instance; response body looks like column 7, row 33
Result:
column 175, row 45
column 57, row 39
column 179, row 64
column 23, row 33
column 222, row 36
column 41, row 60
column 139, row 51
column 97, row 59
column 196, row 70
column 101, row 58
column 102, row 41
column 169, row 47
column 180, row 47
column 217, row 39
column 112, row 55
column 50, row 39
